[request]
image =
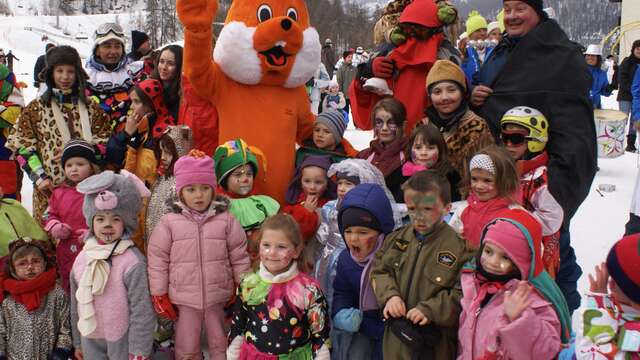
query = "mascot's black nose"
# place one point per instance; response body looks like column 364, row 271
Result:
column 286, row 24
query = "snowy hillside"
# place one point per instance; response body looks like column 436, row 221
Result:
column 599, row 222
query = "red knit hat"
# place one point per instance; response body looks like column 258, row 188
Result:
column 623, row 263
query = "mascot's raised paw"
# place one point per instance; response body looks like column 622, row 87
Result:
column 197, row 15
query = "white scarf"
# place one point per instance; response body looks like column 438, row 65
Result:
column 63, row 126
column 94, row 279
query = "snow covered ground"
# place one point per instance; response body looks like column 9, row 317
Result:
column 597, row 225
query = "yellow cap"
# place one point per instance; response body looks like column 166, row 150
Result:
column 475, row 22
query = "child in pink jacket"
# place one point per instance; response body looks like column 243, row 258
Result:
column 511, row 308
column 65, row 222
column 196, row 256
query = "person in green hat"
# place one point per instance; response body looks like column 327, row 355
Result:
column 236, row 167
column 479, row 46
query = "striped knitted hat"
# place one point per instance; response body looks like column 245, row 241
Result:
column 79, row 148
column 623, row 263
column 334, row 120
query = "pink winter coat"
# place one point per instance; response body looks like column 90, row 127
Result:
column 534, row 335
column 197, row 261
column 65, row 206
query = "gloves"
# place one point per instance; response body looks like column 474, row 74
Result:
column 60, row 354
column 382, row 67
column 59, row 230
column 447, row 13
column 163, row 307
column 348, row 320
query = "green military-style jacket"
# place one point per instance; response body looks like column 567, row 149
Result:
column 434, row 288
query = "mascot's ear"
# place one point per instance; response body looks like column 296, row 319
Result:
column 142, row 189
column 96, row 183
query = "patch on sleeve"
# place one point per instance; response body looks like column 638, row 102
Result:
column 401, row 244
column 447, row 258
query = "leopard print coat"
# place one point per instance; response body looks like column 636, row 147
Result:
column 36, row 129
column 464, row 140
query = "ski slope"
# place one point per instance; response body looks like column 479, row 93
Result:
column 596, row 226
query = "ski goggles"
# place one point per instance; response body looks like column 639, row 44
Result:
column 106, row 28
column 515, row 138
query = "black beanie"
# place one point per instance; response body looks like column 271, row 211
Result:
column 538, row 6
column 354, row 216
column 78, row 148
column 137, row 38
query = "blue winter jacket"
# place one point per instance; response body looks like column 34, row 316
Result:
column 472, row 64
column 346, row 284
column 635, row 93
column 599, row 86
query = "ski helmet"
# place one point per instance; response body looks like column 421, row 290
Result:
column 534, row 121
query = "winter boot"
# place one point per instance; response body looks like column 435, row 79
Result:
column 631, row 143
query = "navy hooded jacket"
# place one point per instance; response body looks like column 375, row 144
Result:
column 370, row 197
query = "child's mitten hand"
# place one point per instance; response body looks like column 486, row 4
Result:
column 394, row 307
column 60, row 230
column 517, row 301
column 598, row 281
column 417, row 317
column 163, row 307
column 348, row 320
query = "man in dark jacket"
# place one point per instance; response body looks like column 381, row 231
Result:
column 140, row 45
column 626, row 72
column 40, row 65
column 536, row 65
column 328, row 57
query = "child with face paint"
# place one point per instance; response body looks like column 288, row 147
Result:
column 365, row 218
column 35, row 312
column 386, row 150
column 280, row 312
column 196, row 255
column 493, row 182
column 309, row 190
column 65, row 222
column 511, row 307
column 327, row 138
column 237, row 167
column 427, row 149
column 525, row 132
column 415, row 275
column 348, row 174
column 111, row 311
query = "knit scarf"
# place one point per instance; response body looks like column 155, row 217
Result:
column 65, row 127
column 409, row 168
column 478, row 214
column 94, row 279
column 67, row 97
column 387, row 158
column 31, row 292
column 367, row 296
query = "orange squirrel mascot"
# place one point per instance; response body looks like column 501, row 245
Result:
column 265, row 53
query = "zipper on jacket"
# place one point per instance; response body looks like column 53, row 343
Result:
column 413, row 268
column 202, row 272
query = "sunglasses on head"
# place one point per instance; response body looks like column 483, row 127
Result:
column 106, row 28
column 515, row 138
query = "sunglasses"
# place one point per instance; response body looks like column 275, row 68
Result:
column 515, row 138
column 106, row 28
